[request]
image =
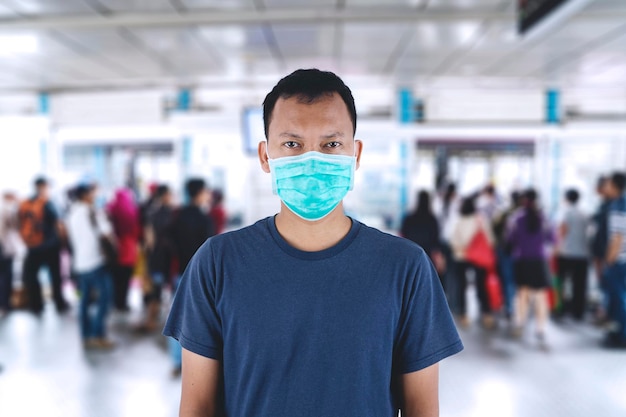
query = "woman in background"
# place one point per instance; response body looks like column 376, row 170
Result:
column 529, row 234
column 466, row 228
column 124, row 215
column 422, row 227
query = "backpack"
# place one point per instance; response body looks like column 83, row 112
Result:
column 31, row 221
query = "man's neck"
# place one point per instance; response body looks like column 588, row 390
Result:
column 313, row 236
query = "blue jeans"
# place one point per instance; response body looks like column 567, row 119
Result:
column 174, row 347
column 507, row 279
column 95, row 287
column 615, row 276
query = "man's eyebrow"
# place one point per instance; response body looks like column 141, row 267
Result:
column 333, row 135
column 290, row 135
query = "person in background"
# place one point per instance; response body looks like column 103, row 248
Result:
column 422, row 227
column 615, row 273
column 573, row 256
column 86, row 226
column 124, row 216
column 41, row 230
column 447, row 211
column 528, row 235
column 9, row 245
column 217, row 212
column 488, row 202
column 503, row 252
column 189, row 229
column 159, row 251
column 599, row 242
column 471, row 222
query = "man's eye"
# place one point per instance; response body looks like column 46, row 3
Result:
column 333, row 144
column 291, row 144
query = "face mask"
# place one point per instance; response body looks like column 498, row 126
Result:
column 313, row 184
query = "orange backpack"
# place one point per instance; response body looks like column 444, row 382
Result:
column 31, row 219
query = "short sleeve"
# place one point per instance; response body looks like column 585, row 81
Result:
column 193, row 319
column 426, row 331
column 617, row 222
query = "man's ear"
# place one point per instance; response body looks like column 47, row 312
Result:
column 358, row 148
column 265, row 165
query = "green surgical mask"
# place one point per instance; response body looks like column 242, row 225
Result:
column 313, row 184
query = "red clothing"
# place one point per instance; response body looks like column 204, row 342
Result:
column 124, row 216
column 218, row 215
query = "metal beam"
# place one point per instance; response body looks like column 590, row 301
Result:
column 254, row 17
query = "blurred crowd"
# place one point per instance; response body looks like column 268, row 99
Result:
column 526, row 267
column 104, row 247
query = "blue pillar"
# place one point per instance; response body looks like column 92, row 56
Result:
column 555, row 188
column 553, row 106
column 184, row 99
column 99, row 163
column 44, row 109
column 183, row 105
column 406, row 107
column 406, row 115
column 44, row 103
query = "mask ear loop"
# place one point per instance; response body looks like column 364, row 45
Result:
column 267, row 147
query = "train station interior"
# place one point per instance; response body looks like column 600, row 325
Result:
column 490, row 97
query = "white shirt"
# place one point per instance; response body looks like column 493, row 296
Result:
column 84, row 238
column 464, row 231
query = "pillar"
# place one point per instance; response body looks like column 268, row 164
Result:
column 553, row 106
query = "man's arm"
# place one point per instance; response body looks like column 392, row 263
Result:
column 421, row 393
column 615, row 246
column 200, row 379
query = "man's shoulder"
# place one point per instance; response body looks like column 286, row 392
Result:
column 388, row 244
column 241, row 237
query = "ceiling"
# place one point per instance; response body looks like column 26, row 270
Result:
column 83, row 44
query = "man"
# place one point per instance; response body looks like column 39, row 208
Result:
column 573, row 257
column 190, row 228
column 159, row 253
column 86, row 227
column 191, row 225
column 615, row 274
column 311, row 313
column 599, row 242
column 41, row 230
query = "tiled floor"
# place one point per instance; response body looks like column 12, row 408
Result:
column 47, row 373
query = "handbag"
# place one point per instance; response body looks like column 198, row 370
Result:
column 479, row 251
column 494, row 291
column 108, row 245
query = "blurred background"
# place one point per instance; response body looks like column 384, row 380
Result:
column 456, row 98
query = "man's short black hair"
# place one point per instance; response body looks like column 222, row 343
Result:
column 161, row 190
column 194, row 186
column 572, row 196
column 83, row 190
column 41, row 181
column 308, row 85
column 619, row 180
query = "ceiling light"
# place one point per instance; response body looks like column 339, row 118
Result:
column 18, row 44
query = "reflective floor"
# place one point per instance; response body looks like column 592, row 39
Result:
column 47, row 373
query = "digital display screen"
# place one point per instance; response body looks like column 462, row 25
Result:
column 252, row 129
column 531, row 12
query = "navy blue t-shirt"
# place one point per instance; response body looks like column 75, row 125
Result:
column 323, row 333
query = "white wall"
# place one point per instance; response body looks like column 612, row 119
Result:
column 23, row 143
